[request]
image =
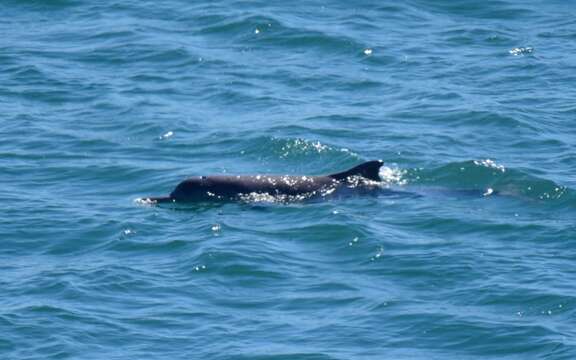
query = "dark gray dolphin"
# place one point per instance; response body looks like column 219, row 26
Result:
column 239, row 187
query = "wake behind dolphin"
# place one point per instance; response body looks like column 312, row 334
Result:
column 242, row 187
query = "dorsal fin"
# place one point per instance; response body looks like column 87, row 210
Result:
column 368, row 170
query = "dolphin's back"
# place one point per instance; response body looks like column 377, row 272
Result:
column 230, row 187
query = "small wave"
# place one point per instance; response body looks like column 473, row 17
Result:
column 488, row 119
column 482, row 10
column 494, row 177
column 269, row 31
column 298, row 150
column 312, row 39
column 108, row 34
column 217, row 24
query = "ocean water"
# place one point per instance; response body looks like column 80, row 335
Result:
column 470, row 104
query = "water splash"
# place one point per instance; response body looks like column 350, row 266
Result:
column 521, row 51
column 166, row 135
column 393, row 176
column 490, row 164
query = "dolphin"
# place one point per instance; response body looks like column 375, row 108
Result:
column 275, row 187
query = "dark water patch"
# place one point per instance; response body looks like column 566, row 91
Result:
column 151, row 78
column 112, row 35
column 237, row 98
column 135, row 53
column 502, row 10
column 129, row 245
column 45, row 5
column 466, row 37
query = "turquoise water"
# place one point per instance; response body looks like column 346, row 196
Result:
column 104, row 102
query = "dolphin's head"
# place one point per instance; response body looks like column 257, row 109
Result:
column 193, row 189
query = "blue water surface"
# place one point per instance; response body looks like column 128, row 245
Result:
column 471, row 105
